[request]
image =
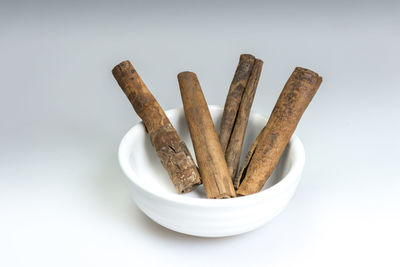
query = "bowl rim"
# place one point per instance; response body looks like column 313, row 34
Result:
column 290, row 179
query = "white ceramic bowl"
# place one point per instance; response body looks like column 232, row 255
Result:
column 193, row 213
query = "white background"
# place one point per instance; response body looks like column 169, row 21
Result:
column 63, row 198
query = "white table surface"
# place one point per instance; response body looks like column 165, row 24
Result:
column 63, row 198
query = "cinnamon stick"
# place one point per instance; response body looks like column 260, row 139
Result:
column 171, row 150
column 268, row 147
column 234, row 97
column 212, row 166
column 237, row 109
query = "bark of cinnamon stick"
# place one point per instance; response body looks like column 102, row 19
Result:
column 212, row 166
column 171, row 150
column 269, row 145
column 232, row 103
column 237, row 110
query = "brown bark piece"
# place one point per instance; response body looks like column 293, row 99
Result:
column 234, row 97
column 214, row 172
column 273, row 139
column 171, row 150
column 234, row 149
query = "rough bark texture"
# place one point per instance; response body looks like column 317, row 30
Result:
column 171, row 150
column 214, row 172
column 234, row 97
column 269, row 145
column 234, row 148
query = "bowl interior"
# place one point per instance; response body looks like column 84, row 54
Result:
column 150, row 174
